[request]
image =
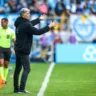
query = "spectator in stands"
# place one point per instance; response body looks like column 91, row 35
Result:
column 1, row 9
column 72, row 7
column 72, row 37
column 44, row 40
column 93, row 7
column 12, row 5
column 43, row 8
column 52, row 3
column 22, row 4
column 86, row 10
column 60, row 8
column 52, row 35
column 66, row 2
column 33, row 6
column 6, row 8
column 79, row 10
column 44, row 54
column 57, row 40
column 61, row 33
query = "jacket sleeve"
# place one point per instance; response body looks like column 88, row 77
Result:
column 36, row 21
column 36, row 31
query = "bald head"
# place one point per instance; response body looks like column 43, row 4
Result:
column 25, row 13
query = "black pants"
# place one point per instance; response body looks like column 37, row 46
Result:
column 22, row 60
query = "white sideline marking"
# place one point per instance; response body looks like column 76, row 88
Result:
column 46, row 80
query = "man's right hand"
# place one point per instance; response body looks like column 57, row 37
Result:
column 52, row 24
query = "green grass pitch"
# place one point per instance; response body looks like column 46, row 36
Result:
column 65, row 80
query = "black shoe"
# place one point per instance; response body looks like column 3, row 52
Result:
column 24, row 91
column 16, row 91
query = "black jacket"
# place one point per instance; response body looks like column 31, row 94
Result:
column 24, row 34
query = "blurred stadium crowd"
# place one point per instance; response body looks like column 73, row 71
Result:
column 58, row 10
column 49, row 7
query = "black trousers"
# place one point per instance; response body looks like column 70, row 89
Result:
column 22, row 60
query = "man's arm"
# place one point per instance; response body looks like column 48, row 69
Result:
column 13, row 37
column 36, row 31
column 14, row 40
column 13, row 45
column 36, row 21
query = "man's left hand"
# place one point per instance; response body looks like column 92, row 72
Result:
column 43, row 17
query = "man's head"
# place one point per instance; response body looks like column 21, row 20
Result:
column 4, row 22
column 25, row 13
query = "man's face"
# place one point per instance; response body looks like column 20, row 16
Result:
column 4, row 23
column 27, row 15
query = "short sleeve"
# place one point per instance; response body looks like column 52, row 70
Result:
column 12, row 34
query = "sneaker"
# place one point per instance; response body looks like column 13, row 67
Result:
column 16, row 91
column 24, row 91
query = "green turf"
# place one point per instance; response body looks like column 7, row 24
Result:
column 72, row 80
column 35, row 79
column 66, row 80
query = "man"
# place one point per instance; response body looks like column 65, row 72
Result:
column 6, row 35
column 24, row 36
